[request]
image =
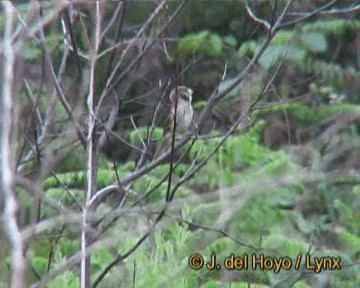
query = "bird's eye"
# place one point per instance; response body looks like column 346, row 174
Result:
column 185, row 96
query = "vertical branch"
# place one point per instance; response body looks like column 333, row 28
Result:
column 7, row 158
column 92, row 152
column 171, row 167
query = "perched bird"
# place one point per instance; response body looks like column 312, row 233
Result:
column 181, row 111
column 180, row 99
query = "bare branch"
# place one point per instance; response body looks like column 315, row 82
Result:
column 40, row 24
column 256, row 188
column 7, row 187
column 49, row 116
column 74, row 260
column 255, row 18
column 92, row 154
column 214, row 98
column 308, row 15
column 112, row 84
column 118, row 12
column 350, row 9
column 124, row 53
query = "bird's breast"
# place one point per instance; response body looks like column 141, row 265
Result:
column 184, row 116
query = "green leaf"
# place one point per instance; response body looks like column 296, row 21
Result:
column 283, row 38
column 230, row 41
column 74, row 179
column 212, row 284
column 215, row 45
column 275, row 52
column 101, row 257
column 248, row 48
column 296, row 53
column 140, row 134
column 67, row 279
column 105, row 176
column 290, row 247
column 352, row 240
column 336, row 27
column 205, row 43
column 316, row 42
column 192, row 42
column 199, row 105
column 39, row 263
column 30, row 51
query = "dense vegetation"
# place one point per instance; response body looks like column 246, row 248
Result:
column 285, row 182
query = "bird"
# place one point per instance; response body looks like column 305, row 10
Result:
column 180, row 99
column 181, row 112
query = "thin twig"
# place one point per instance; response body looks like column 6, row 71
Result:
column 109, row 86
column 308, row 15
column 350, row 9
column 113, row 84
column 255, row 18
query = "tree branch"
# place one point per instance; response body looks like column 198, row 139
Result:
column 7, row 182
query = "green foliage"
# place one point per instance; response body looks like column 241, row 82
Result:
column 204, row 43
column 65, row 196
column 283, row 37
column 32, row 50
column 330, row 72
column 66, row 247
column 301, row 46
column 244, row 184
column 246, row 285
column 77, row 179
column 351, row 240
column 212, row 284
column 206, row 213
column 315, row 42
column 174, row 247
column 105, row 176
column 243, row 152
column 237, row 163
column 39, row 263
column 137, row 136
column 248, row 48
column 199, row 105
column 304, row 114
column 230, row 41
column 70, row 179
column 99, row 257
column 292, row 44
column 152, row 180
column 66, row 279
column 336, row 27
column 349, row 213
column 73, row 160
column 274, row 53
column 289, row 247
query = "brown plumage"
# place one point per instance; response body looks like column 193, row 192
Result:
column 180, row 99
